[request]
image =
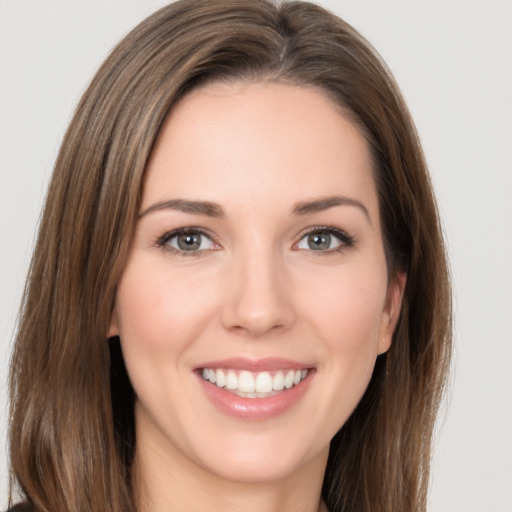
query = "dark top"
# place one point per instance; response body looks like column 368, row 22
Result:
column 22, row 507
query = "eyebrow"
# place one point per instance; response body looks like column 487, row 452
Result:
column 324, row 203
column 187, row 206
column 210, row 209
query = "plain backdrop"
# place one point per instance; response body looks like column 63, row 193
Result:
column 453, row 61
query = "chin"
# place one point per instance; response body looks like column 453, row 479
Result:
column 256, row 458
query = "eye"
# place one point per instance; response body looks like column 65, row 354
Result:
column 325, row 240
column 187, row 240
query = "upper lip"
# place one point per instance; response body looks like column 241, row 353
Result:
column 255, row 365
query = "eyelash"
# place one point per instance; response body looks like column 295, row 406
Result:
column 346, row 241
column 163, row 241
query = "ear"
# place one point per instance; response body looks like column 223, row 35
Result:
column 113, row 329
column 391, row 312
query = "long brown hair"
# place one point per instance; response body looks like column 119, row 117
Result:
column 72, row 434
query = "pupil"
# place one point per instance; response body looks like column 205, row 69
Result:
column 319, row 242
column 188, row 242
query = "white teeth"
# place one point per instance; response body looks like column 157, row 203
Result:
column 288, row 380
column 254, row 385
column 278, row 381
column 263, row 382
column 231, row 380
column 245, row 382
column 220, row 378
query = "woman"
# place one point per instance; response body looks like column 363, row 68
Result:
column 239, row 294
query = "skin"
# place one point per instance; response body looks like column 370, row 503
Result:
column 255, row 289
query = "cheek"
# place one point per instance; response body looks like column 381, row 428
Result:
column 347, row 317
column 342, row 312
column 160, row 310
column 351, row 307
column 160, row 316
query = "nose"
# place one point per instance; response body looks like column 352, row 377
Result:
column 258, row 296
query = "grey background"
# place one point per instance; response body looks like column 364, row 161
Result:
column 453, row 61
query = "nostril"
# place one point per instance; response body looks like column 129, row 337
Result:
column 256, row 330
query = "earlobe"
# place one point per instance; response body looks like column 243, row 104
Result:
column 395, row 296
column 113, row 329
column 392, row 310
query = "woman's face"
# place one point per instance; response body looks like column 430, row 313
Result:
column 255, row 299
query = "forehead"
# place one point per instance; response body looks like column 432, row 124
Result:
column 258, row 142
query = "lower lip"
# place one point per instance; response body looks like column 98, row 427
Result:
column 255, row 409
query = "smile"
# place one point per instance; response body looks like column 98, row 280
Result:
column 253, row 384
